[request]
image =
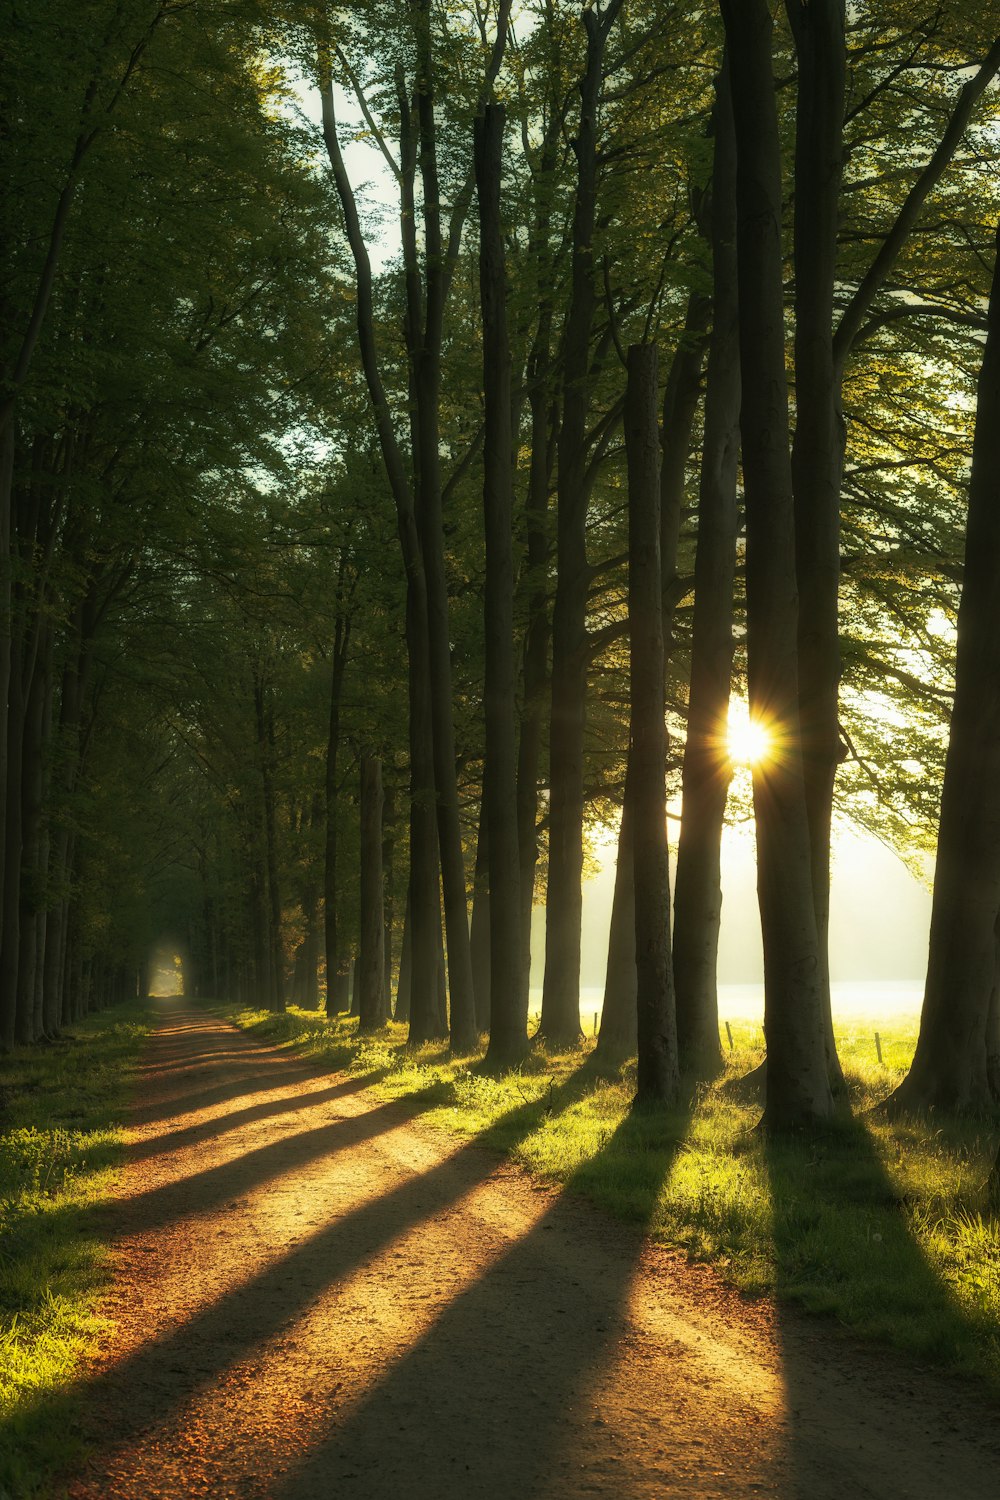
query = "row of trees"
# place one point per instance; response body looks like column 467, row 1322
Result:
column 359, row 554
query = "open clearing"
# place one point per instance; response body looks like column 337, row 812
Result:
column 318, row 1294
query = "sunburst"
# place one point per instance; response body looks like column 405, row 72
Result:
column 748, row 740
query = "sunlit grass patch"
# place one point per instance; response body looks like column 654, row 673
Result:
column 60, row 1143
column 882, row 1226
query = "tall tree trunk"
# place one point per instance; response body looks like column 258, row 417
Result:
column 950, row 1069
column 993, row 1026
column 426, row 357
column 534, row 668
column 560, row 1018
column 479, row 938
column 310, row 952
column 680, row 400
column 544, row 425
column 273, row 977
column 619, row 1018
column 371, row 960
column 388, row 886
column 8, row 447
column 818, row 445
column 31, row 955
column 798, row 1088
column 331, row 788
column 13, row 1027
column 657, row 1076
column 706, row 766
column 402, row 1007
column 423, row 903
column 508, row 1002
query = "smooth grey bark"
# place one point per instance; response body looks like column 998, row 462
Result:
column 8, row 453
column 534, row 669
column 617, row 1038
column 820, row 359
column 31, row 954
column 422, row 898
column 14, row 1026
column 372, row 1007
column 680, row 401
column 479, row 936
column 543, row 418
column 401, row 1011
column 818, row 444
column 270, row 905
column 418, row 499
column 993, row 1026
column 706, row 767
column 949, row 1069
column 508, row 1003
column 798, row 1088
column 657, row 1073
column 560, row 1018
column 426, row 354
column 388, row 888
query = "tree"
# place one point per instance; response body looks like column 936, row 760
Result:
column 798, row 1089
column 706, row 767
column 560, row 1018
column 657, row 1076
column 950, row 1069
column 373, row 1003
column 508, row 1000
column 417, row 491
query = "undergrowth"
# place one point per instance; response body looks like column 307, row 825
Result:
column 60, row 1141
column 885, row 1227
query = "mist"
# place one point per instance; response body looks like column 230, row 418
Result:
column 879, row 923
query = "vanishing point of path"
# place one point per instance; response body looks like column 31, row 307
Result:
column 317, row 1296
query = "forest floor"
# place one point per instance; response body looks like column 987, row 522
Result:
column 316, row 1294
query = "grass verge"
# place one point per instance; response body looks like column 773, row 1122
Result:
column 884, row 1227
column 61, row 1107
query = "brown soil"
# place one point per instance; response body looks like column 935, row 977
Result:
column 316, row 1295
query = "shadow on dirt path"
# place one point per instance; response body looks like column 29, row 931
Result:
column 316, row 1294
column 837, row 1207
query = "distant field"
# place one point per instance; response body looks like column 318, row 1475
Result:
column 878, row 1000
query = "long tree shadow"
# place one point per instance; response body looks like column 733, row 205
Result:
column 192, row 1101
column 843, row 1246
column 251, row 1068
column 169, row 1370
column 586, row 1316
column 196, row 1194
column 218, row 1126
column 537, row 1334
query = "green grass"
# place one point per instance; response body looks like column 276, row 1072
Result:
column 60, row 1144
column 884, row 1227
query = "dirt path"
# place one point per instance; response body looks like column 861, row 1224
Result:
column 318, row 1296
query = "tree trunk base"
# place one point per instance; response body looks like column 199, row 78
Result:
column 501, row 1059
column 559, row 1038
column 917, row 1098
column 703, row 1064
column 749, row 1087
